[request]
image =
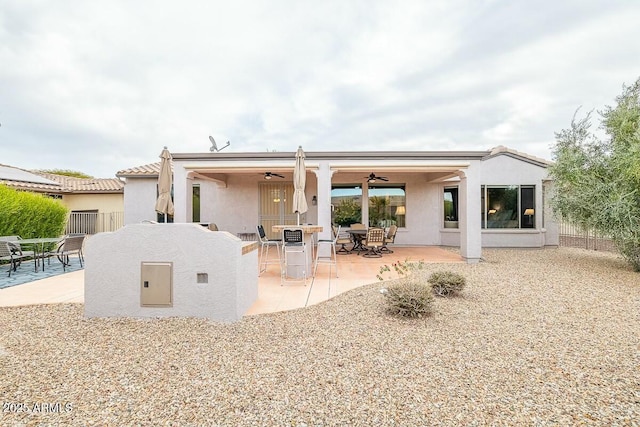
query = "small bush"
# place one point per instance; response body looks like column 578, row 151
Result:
column 445, row 283
column 409, row 297
column 401, row 268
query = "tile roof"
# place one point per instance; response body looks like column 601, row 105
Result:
column 501, row 149
column 86, row 185
column 31, row 186
column 42, row 182
column 150, row 170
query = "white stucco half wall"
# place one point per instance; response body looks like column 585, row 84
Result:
column 113, row 272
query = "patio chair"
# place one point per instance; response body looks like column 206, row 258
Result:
column 12, row 253
column 343, row 239
column 14, row 240
column 294, row 252
column 389, row 238
column 332, row 258
column 72, row 244
column 373, row 241
column 9, row 238
column 265, row 244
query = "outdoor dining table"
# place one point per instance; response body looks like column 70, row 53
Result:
column 39, row 244
column 307, row 230
column 358, row 237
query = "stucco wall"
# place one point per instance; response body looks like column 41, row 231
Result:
column 235, row 208
column 140, row 196
column 104, row 203
column 113, row 271
column 505, row 170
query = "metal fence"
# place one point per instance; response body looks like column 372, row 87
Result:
column 576, row 237
column 94, row 222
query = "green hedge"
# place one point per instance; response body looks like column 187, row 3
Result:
column 30, row 215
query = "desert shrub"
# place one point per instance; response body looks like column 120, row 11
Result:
column 445, row 283
column 408, row 297
column 401, row 268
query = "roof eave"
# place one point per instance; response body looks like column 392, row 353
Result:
column 337, row 155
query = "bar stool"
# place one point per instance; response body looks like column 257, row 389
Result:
column 294, row 251
column 332, row 258
column 265, row 244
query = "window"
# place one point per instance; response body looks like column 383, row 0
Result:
column 195, row 198
column 347, row 204
column 451, row 207
column 510, row 206
column 387, row 205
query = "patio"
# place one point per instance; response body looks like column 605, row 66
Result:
column 353, row 270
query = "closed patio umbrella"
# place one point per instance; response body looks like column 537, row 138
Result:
column 164, row 204
column 299, row 182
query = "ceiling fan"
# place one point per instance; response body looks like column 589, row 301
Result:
column 373, row 178
column 269, row 175
column 214, row 147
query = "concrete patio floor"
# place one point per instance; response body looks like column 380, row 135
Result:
column 353, row 271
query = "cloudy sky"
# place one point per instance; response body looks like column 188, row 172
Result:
column 102, row 86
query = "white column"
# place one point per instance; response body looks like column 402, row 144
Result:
column 180, row 196
column 365, row 204
column 469, row 215
column 323, row 175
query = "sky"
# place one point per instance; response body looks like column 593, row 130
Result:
column 98, row 87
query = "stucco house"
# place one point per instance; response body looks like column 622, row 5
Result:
column 95, row 204
column 467, row 199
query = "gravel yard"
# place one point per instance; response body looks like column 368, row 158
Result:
column 538, row 337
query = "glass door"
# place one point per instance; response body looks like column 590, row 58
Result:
column 276, row 206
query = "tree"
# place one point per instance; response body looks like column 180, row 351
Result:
column 347, row 212
column 378, row 211
column 597, row 180
column 66, row 172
